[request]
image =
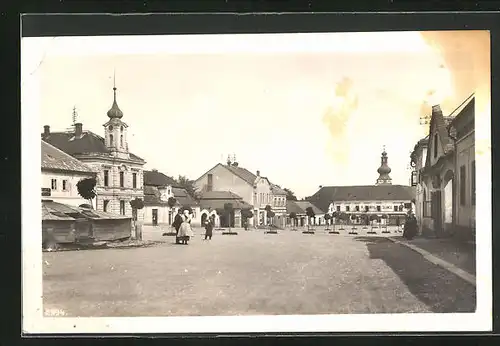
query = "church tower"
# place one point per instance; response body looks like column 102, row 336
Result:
column 383, row 171
column 115, row 130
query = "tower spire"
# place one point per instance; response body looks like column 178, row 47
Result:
column 384, row 170
column 115, row 111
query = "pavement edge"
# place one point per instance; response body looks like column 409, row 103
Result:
column 438, row 261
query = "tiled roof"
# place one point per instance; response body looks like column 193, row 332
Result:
column 87, row 143
column 156, row 178
column 243, row 173
column 63, row 210
column 277, row 190
column 219, row 195
column 329, row 194
column 53, row 158
column 299, row 207
column 152, row 196
column 50, row 215
column 218, row 204
column 183, row 198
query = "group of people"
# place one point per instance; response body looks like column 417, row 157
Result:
column 183, row 230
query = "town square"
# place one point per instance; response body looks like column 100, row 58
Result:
column 261, row 183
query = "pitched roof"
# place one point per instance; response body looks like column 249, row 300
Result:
column 212, row 195
column 88, row 142
column 329, row 194
column 152, row 196
column 53, row 158
column 218, row 204
column 299, row 207
column 183, row 197
column 156, row 178
column 64, row 211
column 243, row 173
column 277, row 190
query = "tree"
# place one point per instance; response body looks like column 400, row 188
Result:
column 188, row 184
column 327, row 218
column 171, row 202
column 86, row 188
column 293, row 218
column 136, row 204
column 228, row 210
column 245, row 215
column 310, row 214
column 334, row 218
column 290, row 196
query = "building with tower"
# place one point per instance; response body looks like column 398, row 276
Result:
column 119, row 171
column 381, row 199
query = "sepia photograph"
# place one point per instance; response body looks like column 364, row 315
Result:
column 257, row 182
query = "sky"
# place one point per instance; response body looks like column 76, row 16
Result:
column 304, row 109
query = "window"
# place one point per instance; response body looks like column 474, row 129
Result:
column 379, row 208
column 338, row 208
column 367, row 208
column 121, row 128
column 53, row 184
column 122, row 207
column 121, row 141
column 134, row 180
column 347, row 208
column 462, row 185
column 357, row 208
column 65, row 185
column 106, row 177
column 110, row 140
column 210, row 181
column 105, row 205
column 122, row 179
column 435, row 145
column 473, row 182
column 395, row 207
column 400, row 208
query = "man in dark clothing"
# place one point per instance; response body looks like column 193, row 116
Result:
column 209, row 226
column 177, row 225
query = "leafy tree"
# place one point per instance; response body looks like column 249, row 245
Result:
column 290, row 196
column 188, row 184
column 334, row 218
column 310, row 214
column 171, row 202
column 86, row 188
column 136, row 204
column 328, row 217
column 293, row 218
column 228, row 210
column 245, row 215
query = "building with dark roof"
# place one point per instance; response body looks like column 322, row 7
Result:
column 212, row 205
column 382, row 198
column 299, row 208
column 254, row 189
column 119, row 171
column 163, row 197
column 60, row 174
column 447, row 179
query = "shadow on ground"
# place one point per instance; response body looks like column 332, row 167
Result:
column 440, row 290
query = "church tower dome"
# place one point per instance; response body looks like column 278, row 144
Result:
column 384, row 170
column 115, row 111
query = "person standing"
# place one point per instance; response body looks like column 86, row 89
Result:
column 185, row 231
column 177, row 225
column 209, row 226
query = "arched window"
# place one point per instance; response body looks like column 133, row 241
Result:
column 121, row 129
column 110, row 140
column 121, row 141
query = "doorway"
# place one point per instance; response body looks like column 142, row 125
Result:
column 203, row 219
column 155, row 217
column 437, row 212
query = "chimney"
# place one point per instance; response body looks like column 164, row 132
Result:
column 154, row 170
column 258, row 173
column 235, row 164
column 78, row 129
column 436, row 109
column 46, row 130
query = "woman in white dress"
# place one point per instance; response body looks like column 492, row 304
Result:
column 185, row 231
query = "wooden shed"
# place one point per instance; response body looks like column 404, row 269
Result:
column 67, row 224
